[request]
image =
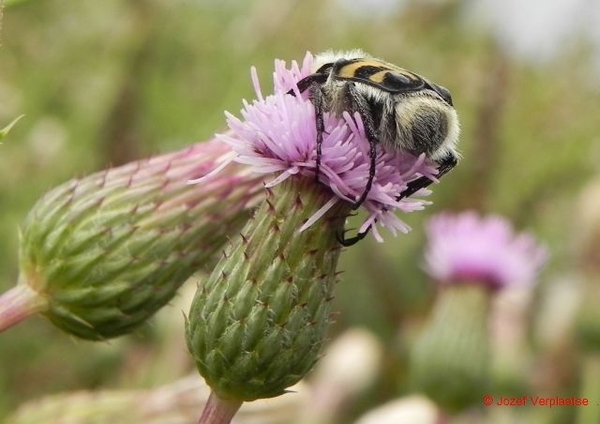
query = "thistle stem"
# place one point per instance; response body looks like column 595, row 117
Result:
column 19, row 303
column 219, row 411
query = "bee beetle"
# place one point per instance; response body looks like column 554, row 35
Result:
column 399, row 109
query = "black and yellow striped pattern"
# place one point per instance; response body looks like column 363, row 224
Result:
column 379, row 74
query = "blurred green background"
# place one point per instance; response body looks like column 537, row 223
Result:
column 103, row 83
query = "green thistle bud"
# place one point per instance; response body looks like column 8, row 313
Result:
column 257, row 324
column 450, row 361
column 101, row 254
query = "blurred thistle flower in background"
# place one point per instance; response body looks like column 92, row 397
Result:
column 101, row 254
column 257, row 324
column 466, row 247
column 471, row 258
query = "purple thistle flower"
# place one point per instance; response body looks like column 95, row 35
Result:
column 466, row 247
column 277, row 135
